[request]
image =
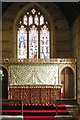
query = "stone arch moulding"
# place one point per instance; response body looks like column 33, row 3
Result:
column 73, row 68
column 4, row 66
column 4, row 82
column 45, row 13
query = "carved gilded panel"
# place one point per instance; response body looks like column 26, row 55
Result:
column 33, row 74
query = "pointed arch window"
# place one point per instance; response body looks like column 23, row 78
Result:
column 41, row 20
column 30, row 19
column 33, row 42
column 25, row 20
column 22, row 43
column 33, row 36
column 44, row 42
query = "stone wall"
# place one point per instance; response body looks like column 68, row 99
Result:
column 76, row 50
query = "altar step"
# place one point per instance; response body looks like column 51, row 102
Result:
column 64, row 117
column 41, row 110
column 10, row 117
column 72, row 109
column 61, row 109
column 71, row 105
column 38, row 118
column 44, row 107
column 45, row 110
column 67, row 101
column 58, row 117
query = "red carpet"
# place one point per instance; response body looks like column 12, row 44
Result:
column 44, row 111
column 38, row 117
column 36, row 112
column 11, row 111
column 44, row 114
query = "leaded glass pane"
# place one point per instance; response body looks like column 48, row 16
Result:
column 25, row 20
column 30, row 20
column 41, row 20
column 44, row 42
column 36, row 20
column 33, row 43
column 33, row 11
column 22, row 42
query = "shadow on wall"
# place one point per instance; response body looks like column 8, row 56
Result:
column 3, row 83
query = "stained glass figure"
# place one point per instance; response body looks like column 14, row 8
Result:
column 36, row 20
column 41, row 20
column 30, row 19
column 25, row 20
column 22, row 42
column 33, row 42
column 44, row 42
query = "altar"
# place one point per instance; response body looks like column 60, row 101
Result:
column 35, row 94
column 34, row 83
column 38, row 82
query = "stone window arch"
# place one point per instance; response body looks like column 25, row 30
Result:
column 36, row 24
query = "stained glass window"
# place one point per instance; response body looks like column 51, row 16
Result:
column 30, row 20
column 25, row 19
column 36, row 20
column 41, row 20
column 22, row 42
column 33, row 36
column 44, row 42
column 33, row 11
column 33, row 43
